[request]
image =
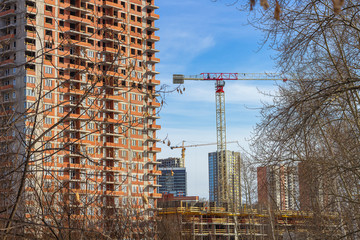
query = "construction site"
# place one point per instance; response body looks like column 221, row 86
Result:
column 278, row 212
column 198, row 220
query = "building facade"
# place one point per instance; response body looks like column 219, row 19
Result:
column 225, row 180
column 278, row 187
column 78, row 106
column 173, row 177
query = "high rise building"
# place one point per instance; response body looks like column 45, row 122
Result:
column 225, row 180
column 316, row 185
column 173, row 176
column 278, row 187
column 78, row 107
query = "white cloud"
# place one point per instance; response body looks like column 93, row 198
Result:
column 197, row 35
column 182, row 46
column 240, row 93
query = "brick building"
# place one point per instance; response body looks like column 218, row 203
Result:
column 78, row 106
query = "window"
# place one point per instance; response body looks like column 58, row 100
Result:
column 47, row 159
column 133, row 143
column 123, row 153
column 61, row 159
column 48, row 95
column 61, row 109
column 48, row 20
column 49, row 33
column 48, row 8
column 48, row 82
column 29, row 92
column 48, row 120
column 61, row 172
column 48, row 107
column 91, row 150
column 47, row 183
column 48, row 45
column 48, row 70
column 91, row 54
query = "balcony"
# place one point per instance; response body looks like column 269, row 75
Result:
column 153, row 38
column 108, row 4
column 6, row 76
column 150, row 5
column 154, row 104
column 154, row 126
column 6, row 87
column 153, row 184
column 155, row 195
column 151, row 28
column 7, row 37
column 76, row 67
column 112, row 145
column 7, row 63
column 7, row 51
column 31, row 9
column 77, row 31
column 153, row 60
column 154, row 149
column 152, row 116
column 151, row 50
column 76, row 19
column 152, row 16
column 153, row 82
column 7, row 13
column 110, row 49
column 81, row 9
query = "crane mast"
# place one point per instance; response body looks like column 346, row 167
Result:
column 220, row 194
column 223, row 184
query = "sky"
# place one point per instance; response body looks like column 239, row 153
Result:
column 199, row 36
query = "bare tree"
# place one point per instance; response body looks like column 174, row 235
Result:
column 313, row 122
column 67, row 166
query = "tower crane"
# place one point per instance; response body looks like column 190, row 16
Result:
column 221, row 195
column 183, row 147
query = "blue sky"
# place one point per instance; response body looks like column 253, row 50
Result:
column 204, row 36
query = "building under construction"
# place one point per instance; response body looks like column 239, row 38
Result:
column 196, row 220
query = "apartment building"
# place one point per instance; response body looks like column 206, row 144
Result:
column 225, row 180
column 278, row 187
column 78, row 107
column 173, row 176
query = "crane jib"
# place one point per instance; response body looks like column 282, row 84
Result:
column 219, row 76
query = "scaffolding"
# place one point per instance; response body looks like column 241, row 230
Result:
column 204, row 222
